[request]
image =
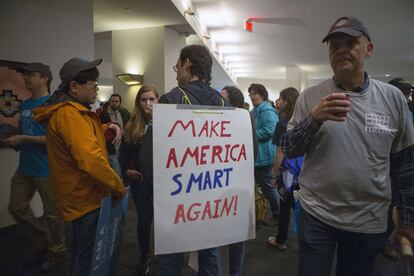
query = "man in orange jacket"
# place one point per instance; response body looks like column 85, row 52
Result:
column 78, row 158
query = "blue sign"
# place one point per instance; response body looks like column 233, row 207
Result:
column 108, row 237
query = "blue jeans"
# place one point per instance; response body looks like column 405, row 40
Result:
column 82, row 242
column 208, row 263
column 114, row 162
column 355, row 252
column 236, row 256
column 263, row 176
column 142, row 195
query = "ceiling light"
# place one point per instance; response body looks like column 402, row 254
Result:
column 242, row 70
column 238, row 75
column 236, row 58
column 387, row 75
column 227, row 36
column 231, row 49
column 223, row 15
column 131, row 79
column 237, row 65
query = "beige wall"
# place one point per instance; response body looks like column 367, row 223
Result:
column 138, row 51
column 272, row 86
column 50, row 33
column 173, row 43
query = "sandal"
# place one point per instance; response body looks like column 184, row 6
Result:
column 271, row 241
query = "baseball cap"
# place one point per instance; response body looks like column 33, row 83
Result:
column 348, row 25
column 73, row 67
column 36, row 67
column 402, row 84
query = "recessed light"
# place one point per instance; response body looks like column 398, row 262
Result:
column 127, row 9
column 387, row 75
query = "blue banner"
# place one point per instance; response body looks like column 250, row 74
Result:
column 108, row 237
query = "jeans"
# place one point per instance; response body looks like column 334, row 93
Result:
column 49, row 234
column 236, row 256
column 263, row 176
column 114, row 162
column 82, row 243
column 355, row 252
column 284, row 217
column 142, row 195
column 208, row 263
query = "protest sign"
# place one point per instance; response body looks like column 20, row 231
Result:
column 203, row 177
column 108, row 237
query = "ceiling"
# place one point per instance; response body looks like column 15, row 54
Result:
column 294, row 39
column 132, row 14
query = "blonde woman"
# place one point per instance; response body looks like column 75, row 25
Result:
column 135, row 158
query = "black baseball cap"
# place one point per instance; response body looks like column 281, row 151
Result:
column 348, row 25
column 402, row 84
column 73, row 67
column 36, row 67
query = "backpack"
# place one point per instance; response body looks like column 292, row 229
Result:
column 288, row 177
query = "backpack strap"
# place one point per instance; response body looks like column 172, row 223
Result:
column 185, row 99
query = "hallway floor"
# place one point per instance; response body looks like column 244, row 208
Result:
column 16, row 258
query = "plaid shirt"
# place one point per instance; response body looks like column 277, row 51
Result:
column 296, row 142
column 402, row 179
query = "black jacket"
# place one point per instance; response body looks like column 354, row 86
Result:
column 137, row 156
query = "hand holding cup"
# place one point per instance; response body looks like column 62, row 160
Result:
column 334, row 107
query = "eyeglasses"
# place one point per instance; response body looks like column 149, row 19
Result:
column 175, row 68
column 94, row 84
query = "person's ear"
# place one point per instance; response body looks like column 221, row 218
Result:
column 187, row 64
column 73, row 86
column 370, row 49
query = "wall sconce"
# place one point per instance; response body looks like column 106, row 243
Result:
column 131, row 79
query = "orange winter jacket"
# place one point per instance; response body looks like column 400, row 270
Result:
column 78, row 160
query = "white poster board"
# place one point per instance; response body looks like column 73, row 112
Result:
column 203, row 177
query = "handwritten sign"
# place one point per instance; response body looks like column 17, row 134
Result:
column 203, row 177
column 108, row 237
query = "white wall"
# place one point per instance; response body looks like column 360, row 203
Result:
column 173, row 43
column 138, row 51
column 151, row 52
column 48, row 34
column 272, row 86
column 219, row 77
column 103, row 49
column 32, row 32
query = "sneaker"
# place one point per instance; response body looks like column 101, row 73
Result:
column 272, row 241
column 271, row 221
column 142, row 269
column 52, row 261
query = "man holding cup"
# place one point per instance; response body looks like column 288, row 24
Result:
column 357, row 139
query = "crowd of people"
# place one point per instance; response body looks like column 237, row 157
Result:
column 336, row 153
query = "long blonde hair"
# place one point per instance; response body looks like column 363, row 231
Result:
column 135, row 127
